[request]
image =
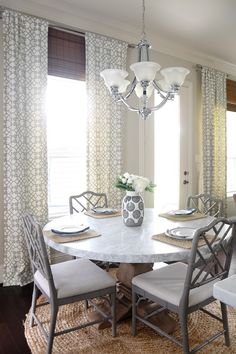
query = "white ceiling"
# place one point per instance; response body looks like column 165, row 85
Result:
column 204, row 27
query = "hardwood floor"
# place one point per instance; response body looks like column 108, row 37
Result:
column 15, row 302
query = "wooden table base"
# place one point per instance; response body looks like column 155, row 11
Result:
column 124, row 275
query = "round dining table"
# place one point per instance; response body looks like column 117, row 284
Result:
column 120, row 243
column 132, row 247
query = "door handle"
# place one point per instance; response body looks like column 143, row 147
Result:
column 185, row 181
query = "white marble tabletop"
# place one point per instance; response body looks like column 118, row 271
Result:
column 119, row 243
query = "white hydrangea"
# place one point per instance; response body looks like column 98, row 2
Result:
column 140, row 183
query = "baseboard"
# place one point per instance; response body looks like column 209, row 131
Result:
column 1, row 273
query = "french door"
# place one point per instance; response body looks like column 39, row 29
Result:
column 173, row 152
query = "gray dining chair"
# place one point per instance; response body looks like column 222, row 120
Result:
column 87, row 200
column 65, row 283
column 185, row 288
column 206, row 204
column 225, row 290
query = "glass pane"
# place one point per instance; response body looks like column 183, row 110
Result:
column 66, row 130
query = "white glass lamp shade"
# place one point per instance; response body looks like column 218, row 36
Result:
column 175, row 75
column 114, row 77
column 123, row 86
column 164, row 85
column 139, row 90
column 145, row 70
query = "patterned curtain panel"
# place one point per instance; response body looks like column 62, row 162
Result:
column 214, row 132
column 105, row 117
column 24, row 136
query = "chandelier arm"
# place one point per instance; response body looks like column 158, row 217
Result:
column 159, row 90
column 122, row 99
column 155, row 108
column 131, row 90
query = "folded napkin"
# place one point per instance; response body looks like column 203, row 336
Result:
column 70, row 238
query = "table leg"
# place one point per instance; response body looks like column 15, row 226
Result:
column 124, row 274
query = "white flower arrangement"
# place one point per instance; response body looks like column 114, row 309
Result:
column 134, row 183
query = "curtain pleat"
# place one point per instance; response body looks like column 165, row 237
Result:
column 214, row 132
column 105, row 117
column 24, row 136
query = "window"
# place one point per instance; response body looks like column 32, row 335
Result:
column 66, row 120
column 231, row 141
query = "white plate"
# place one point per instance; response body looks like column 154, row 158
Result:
column 181, row 233
column 182, row 212
column 70, row 229
column 99, row 210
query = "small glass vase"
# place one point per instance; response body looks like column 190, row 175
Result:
column 132, row 209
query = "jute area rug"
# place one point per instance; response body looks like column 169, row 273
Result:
column 92, row 341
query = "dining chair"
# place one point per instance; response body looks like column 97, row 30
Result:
column 65, row 283
column 87, row 200
column 185, row 288
column 205, row 204
column 225, row 290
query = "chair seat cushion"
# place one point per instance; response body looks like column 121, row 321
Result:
column 167, row 284
column 75, row 277
column 225, row 290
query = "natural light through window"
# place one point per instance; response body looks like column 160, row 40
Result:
column 66, row 132
column 167, row 155
column 231, row 153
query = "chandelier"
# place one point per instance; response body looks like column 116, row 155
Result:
column 144, row 83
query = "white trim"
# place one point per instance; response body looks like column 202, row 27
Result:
column 1, row 273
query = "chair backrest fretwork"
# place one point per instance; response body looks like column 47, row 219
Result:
column 211, row 261
column 37, row 249
column 87, row 200
column 206, row 204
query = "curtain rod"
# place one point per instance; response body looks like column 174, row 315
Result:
column 199, row 67
column 57, row 25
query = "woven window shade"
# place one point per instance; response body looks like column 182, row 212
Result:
column 66, row 54
column 231, row 95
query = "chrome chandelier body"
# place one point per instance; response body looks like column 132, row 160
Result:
column 144, row 83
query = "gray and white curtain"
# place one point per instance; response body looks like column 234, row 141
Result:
column 24, row 136
column 214, row 104
column 105, row 117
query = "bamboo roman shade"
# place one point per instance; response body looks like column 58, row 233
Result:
column 231, row 95
column 66, row 54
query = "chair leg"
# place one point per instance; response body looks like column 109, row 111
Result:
column 184, row 332
column 33, row 304
column 225, row 323
column 113, row 313
column 54, row 311
column 134, row 321
column 86, row 304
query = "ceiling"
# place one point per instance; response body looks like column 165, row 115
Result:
column 205, row 28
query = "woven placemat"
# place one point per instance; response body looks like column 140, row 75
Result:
column 101, row 216
column 183, row 218
column 89, row 340
column 63, row 239
column 180, row 243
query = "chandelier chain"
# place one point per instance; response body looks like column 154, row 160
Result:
column 143, row 21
